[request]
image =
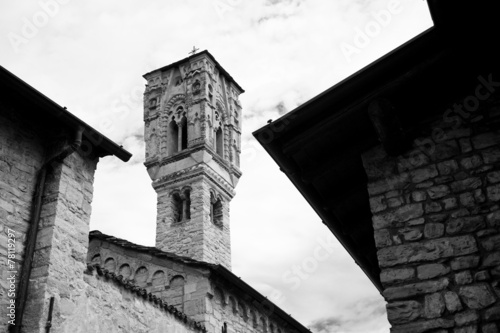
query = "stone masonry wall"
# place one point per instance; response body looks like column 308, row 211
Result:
column 197, row 237
column 241, row 313
column 103, row 306
column 62, row 241
column 21, row 156
column 187, row 287
column 436, row 215
column 174, row 283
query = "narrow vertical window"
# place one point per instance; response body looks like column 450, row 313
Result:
column 219, row 142
column 184, row 133
column 177, row 207
column 173, row 138
column 216, row 212
column 187, row 204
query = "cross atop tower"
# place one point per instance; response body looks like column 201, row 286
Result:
column 192, row 118
column 193, row 51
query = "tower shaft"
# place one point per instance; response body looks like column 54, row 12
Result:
column 193, row 137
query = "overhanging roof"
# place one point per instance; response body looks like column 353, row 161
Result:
column 319, row 144
column 48, row 114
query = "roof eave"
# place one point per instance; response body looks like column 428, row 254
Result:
column 54, row 110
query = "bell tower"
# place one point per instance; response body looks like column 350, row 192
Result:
column 192, row 131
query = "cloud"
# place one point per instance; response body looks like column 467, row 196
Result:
column 360, row 317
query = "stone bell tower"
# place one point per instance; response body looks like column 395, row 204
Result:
column 192, row 121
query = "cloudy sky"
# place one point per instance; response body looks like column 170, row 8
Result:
column 90, row 57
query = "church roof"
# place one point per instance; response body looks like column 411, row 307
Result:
column 217, row 271
column 319, row 144
column 49, row 115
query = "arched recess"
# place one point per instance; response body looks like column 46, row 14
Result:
column 242, row 309
column 158, row 279
column 141, row 276
column 175, row 293
column 174, row 100
column 219, row 297
column 232, row 303
column 110, row 265
column 219, row 129
column 96, row 259
column 263, row 324
column 125, row 271
column 254, row 318
column 197, row 126
column 216, row 210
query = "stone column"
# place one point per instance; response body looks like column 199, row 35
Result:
column 62, row 243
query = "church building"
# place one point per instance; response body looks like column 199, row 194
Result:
column 66, row 279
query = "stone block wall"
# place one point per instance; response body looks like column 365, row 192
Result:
column 175, row 284
column 241, row 313
column 62, row 241
column 21, row 156
column 196, row 237
column 436, row 215
column 189, row 287
column 103, row 305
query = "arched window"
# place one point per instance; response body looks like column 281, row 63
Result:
column 187, row 204
column 181, row 205
column 152, row 103
column 196, row 87
column 173, row 138
column 177, row 207
column 216, row 213
column 184, row 133
column 236, row 121
column 219, row 142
